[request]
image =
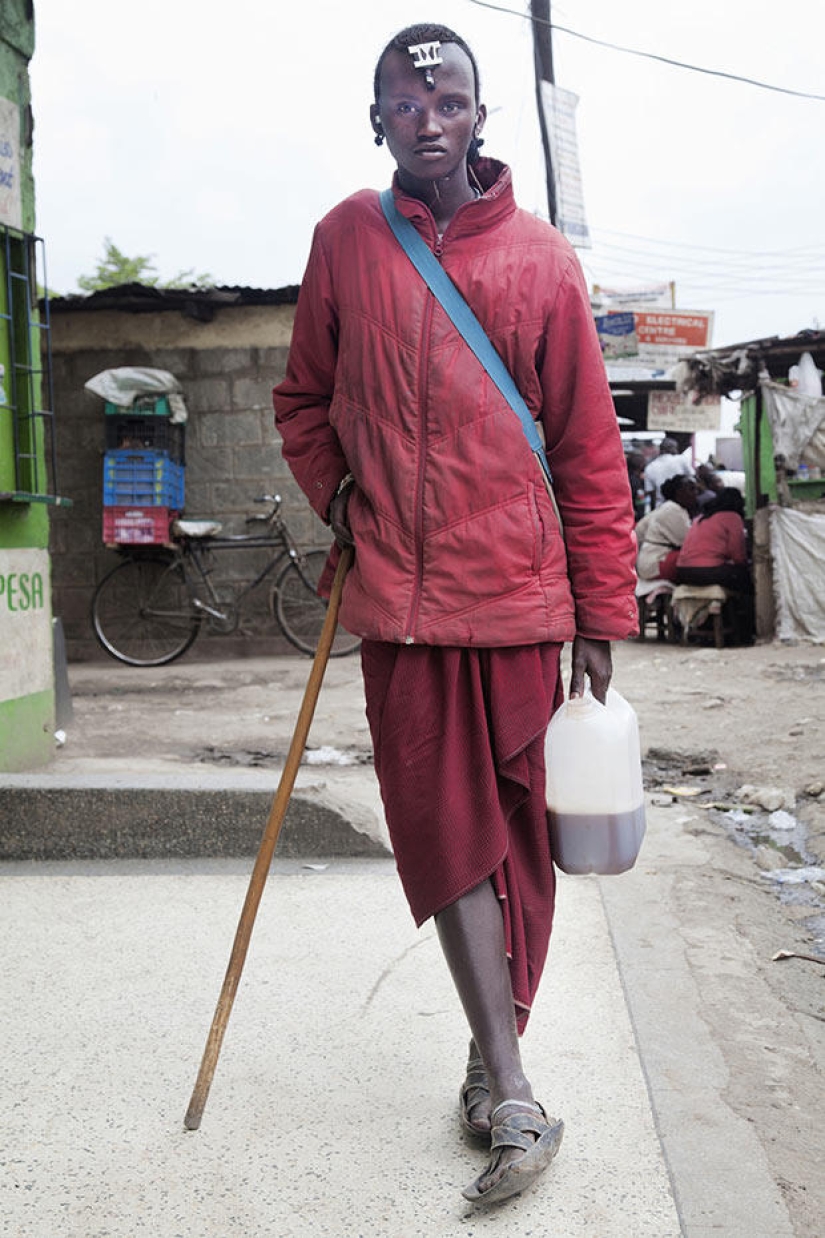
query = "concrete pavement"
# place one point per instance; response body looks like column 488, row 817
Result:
column 333, row 1110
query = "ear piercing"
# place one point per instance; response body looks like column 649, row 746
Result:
column 379, row 136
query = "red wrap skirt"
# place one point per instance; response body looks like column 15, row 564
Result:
column 458, row 736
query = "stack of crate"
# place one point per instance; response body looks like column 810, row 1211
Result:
column 143, row 472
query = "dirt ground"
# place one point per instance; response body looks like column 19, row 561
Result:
column 734, row 756
column 712, row 722
column 724, row 730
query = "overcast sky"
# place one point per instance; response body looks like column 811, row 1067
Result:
column 213, row 136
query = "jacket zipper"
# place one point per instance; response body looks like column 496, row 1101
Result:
column 423, row 378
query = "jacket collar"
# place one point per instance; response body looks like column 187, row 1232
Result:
column 495, row 205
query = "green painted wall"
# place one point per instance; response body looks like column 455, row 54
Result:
column 26, row 668
column 27, row 731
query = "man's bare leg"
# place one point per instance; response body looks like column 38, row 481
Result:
column 471, row 932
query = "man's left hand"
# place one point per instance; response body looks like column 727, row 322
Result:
column 592, row 658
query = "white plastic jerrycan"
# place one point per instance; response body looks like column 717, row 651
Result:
column 595, row 801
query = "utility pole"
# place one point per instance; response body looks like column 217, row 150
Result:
column 543, row 59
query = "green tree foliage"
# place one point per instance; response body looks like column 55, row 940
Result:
column 116, row 268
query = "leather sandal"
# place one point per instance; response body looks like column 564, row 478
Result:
column 528, row 1129
column 474, row 1090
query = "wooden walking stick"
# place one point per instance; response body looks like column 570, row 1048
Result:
column 265, row 852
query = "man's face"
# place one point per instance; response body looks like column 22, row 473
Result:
column 428, row 132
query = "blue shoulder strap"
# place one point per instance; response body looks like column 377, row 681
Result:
column 465, row 321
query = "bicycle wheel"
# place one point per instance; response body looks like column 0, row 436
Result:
column 300, row 611
column 141, row 612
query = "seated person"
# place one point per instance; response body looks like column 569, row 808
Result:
column 715, row 550
column 661, row 533
column 710, row 485
column 636, row 477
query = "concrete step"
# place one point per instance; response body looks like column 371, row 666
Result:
column 186, row 814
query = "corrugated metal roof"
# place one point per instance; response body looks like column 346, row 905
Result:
column 777, row 351
column 199, row 303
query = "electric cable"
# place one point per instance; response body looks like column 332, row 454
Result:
column 633, row 51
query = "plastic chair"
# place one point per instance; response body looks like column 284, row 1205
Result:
column 653, row 598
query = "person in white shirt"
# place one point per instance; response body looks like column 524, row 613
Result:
column 667, row 464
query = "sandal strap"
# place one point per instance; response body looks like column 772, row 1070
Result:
column 522, row 1104
column 476, row 1079
column 521, row 1129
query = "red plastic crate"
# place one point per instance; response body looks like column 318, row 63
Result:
column 143, row 526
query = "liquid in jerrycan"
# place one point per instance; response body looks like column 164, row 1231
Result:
column 595, row 800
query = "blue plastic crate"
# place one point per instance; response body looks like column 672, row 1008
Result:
column 142, row 478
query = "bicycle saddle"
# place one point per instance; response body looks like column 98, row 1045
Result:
column 196, row 528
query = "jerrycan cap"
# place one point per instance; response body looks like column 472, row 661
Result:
column 580, row 706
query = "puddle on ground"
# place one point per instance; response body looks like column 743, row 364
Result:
column 324, row 756
column 778, row 838
column 797, row 673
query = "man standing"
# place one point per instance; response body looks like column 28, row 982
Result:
column 464, row 586
column 667, row 464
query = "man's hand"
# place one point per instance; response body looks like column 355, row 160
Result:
column 338, row 517
column 592, row 658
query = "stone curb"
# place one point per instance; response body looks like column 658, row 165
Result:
column 151, row 822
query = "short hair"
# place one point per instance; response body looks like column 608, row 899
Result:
column 424, row 33
column 672, row 486
column 728, row 500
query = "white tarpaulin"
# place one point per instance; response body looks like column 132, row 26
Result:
column 797, row 424
column 798, row 550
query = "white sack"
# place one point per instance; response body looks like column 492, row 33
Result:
column 798, row 550
column 121, row 385
column 797, row 424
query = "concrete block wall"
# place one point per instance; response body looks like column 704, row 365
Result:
column 227, row 369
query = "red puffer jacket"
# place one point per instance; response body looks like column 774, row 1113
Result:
column 456, row 540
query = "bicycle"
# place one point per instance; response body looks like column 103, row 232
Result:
column 149, row 609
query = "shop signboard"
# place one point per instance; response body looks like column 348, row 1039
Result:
column 11, row 210
column 617, row 335
column 25, row 623
column 560, row 116
column 666, row 335
column 670, row 411
column 661, row 295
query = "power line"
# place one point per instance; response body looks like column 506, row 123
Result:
column 809, row 268
column 766, row 285
column 632, row 51
column 802, row 250
column 743, row 270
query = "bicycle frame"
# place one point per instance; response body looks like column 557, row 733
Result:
column 148, row 610
column 193, row 554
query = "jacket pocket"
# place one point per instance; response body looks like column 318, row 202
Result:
column 539, row 535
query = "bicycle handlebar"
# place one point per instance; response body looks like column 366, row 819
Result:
column 274, row 500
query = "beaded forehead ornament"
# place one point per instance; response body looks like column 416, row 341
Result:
column 425, row 56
